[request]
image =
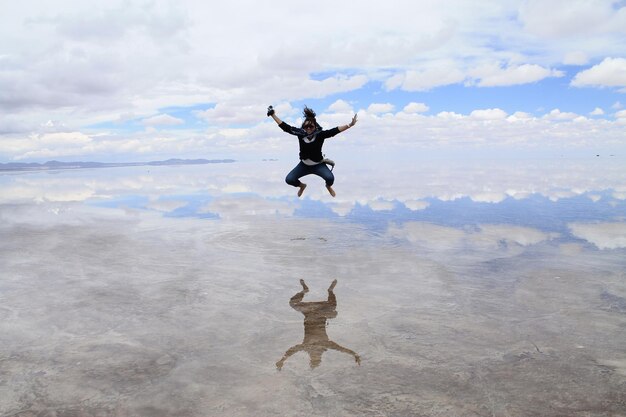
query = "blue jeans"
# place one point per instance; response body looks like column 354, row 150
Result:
column 321, row 170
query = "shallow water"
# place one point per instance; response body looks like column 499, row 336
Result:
column 474, row 289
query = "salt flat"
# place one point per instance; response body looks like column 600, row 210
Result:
column 167, row 293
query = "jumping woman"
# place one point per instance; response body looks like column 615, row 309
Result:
column 311, row 137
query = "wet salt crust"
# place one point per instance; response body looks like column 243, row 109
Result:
column 134, row 303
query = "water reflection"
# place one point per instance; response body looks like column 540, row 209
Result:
column 316, row 340
column 491, row 299
column 579, row 200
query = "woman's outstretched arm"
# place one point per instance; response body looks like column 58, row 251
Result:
column 284, row 126
column 287, row 354
column 349, row 125
column 332, row 345
column 272, row 113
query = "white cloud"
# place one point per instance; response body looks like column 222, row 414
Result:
column 227, row 114
column 597, row 112
column 429, row 235
column 340, row 106
column 234, row 133
column 377, row 108
column 381, row 205
column 62, row 138
column 46, row 145
column 342, row 208
column 493, row 75
column 602, row 235
column 519, row 116
column 567, row 18
column 442, row 73
column 480, row 129
column 449, row 115
column 575, row 58
column 557, row 114
column 84, row 64
column 233, row 187
column 416, row 205
column 489, row 197
column 488, row 114
column 435, row 74
column 617, row 105
column 489, row 239
column 241, row 207
column 162, row 120
column 524, row 236
column 129, row 147
column 415, row 108
column 357, row 183
column 611, row 72
column 332, row 85
column 54, row 125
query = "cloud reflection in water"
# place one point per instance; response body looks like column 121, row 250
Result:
column 553, row 197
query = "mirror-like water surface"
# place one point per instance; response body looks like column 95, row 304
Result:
column 428, row 288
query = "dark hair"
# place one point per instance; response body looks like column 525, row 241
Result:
column 309, row 116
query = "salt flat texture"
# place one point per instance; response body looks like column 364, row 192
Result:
column 120, row 310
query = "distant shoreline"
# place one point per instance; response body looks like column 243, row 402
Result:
column 55, row 165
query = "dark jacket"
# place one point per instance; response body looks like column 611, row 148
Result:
column 311, row 145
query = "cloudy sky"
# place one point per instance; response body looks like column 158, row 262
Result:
column 143, row 80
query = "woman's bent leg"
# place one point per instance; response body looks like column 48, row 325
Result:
column 293, row 178
column 321, row 170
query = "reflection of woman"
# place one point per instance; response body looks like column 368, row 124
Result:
column 311, row 137
column 316, row 340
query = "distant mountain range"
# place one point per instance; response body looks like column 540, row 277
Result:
column 20, row 166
